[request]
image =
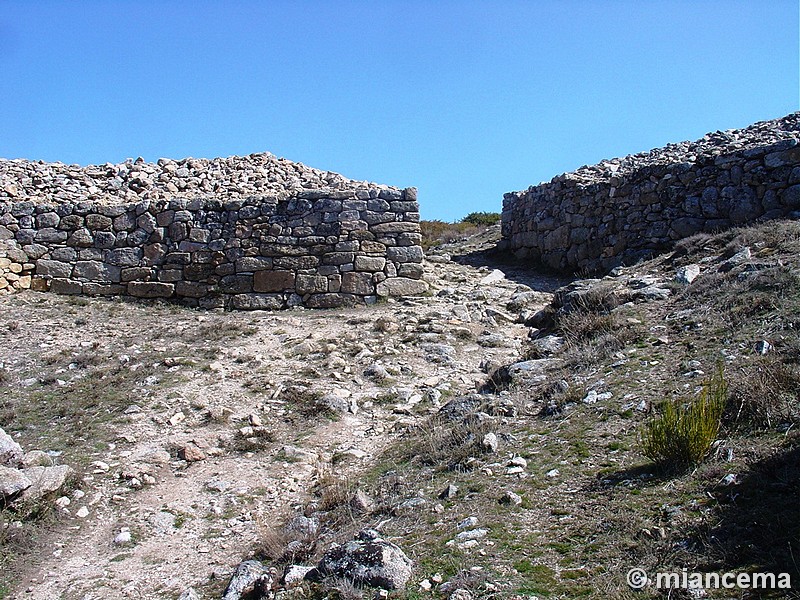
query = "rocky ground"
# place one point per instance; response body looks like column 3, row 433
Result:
column 193, row 431
column 205, row 438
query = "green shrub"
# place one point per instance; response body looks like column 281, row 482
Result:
column 482, row 218
column 683, row 434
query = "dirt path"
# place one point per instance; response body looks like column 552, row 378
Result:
column 202, row 380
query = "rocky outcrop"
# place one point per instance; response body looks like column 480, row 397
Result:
column 626, row 209
column 29, row 476
column 366, row 560
column 245, row 233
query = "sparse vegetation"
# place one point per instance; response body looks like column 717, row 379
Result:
column 482, row 218
column 588, row 503
column 436, row 232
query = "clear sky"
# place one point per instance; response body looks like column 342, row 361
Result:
column 463, row 99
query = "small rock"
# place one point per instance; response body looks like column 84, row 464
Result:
column 547, row 345
column 468, row 522
column 82, row 513
column 191, row 453
column 763, row 347
column 553, row 473
column 518, row 461
column 189, row 594
column 123, row 537
column 686, row 275
column 254, row 420
column 425, row 585
column 592, row 397
column 489, row 442
column 652, row 292
column 460, row 594
column 512, row 498
column 451, row 491
column 376, row 371
column 493, row 277
column 472, row 534
column 177, row 418
column 45, row 480
column 361, row 502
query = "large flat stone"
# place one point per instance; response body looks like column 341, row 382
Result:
column 401, row 286
column 273, row 281
column 150, row 289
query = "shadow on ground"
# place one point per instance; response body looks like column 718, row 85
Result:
column 758, row 528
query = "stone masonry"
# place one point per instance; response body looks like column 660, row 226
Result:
column 624, row 210
column 252, row 232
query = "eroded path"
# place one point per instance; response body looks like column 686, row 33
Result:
column 197, row 431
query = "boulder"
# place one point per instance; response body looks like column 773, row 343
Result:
column 547, row 346
column 37, row 458
column 45, row 480
column 294, row 575
column 366, row 560
column 461, row 407
column 250, row 580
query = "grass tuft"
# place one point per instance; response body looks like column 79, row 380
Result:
column 682, row 435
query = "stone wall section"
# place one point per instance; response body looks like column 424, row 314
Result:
column 624, row 210
column 313, row 247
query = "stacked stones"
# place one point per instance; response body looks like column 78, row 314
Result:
column 212, row 243
column 233, row 177
column 623, row 210
column 15, row 270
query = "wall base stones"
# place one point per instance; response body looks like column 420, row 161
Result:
column 319, row 248
column 623, row 210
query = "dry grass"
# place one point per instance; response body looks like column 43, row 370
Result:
column 451, row 445
column 766, row 392
column 436, row 233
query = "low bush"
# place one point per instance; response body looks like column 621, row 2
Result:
column 482, row 218
column 682, row 434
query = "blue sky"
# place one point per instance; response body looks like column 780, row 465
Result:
column 464, row 99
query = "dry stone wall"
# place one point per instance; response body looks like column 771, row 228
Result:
column 623, row 210
column 243, row 233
